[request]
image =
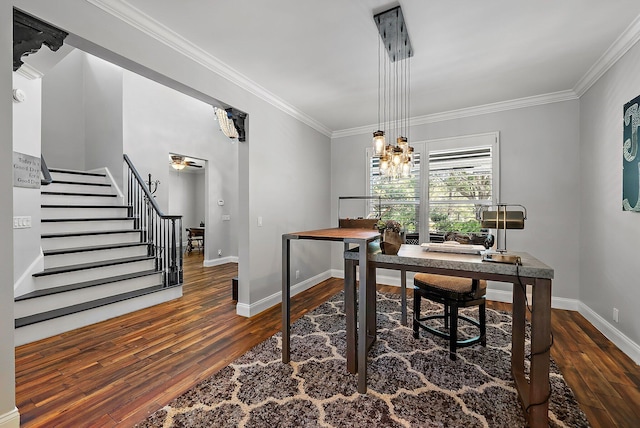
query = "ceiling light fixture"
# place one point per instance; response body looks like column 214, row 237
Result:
column 394, row 81
column 178, row 162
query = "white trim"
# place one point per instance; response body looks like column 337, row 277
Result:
column 249, row 310
column 10, row 419
column 625, row 344
column 220, row 261
column 25, row 284
column 535, row 100
column 29, row 72
column 139, row 20
column 618, row 48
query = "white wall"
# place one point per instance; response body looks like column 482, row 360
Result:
column 26, row 201
column 63, row 117
column 609, row 237
column 539, row 168
column 9, row 416
column 186, row 198
column 102, row 116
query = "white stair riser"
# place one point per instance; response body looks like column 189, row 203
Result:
column 78, row 188
column 78, row 200
column 85, row 226
column 33, row 332
column 61, row 176
column 88, row 240
column 84, row 212
column 24, row 308
column 69, row 259
column 66, row 278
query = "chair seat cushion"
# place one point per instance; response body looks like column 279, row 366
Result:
column 449, row 283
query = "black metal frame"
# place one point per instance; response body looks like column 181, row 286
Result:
column 452, row 301
column 161, row 232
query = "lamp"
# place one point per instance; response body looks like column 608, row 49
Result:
column 502, row 219
column 394, row 80
column 178, row 162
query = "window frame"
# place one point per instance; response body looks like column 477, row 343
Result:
column 491, row 139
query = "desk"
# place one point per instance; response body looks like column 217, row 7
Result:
column 194, row 233
column 365, row 336
column 532, row 272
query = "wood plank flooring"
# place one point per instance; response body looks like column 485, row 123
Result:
column 113, row 374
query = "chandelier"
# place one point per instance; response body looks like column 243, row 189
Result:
column 394, row 78
column 226, row 124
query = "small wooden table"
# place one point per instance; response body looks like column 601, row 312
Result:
column 194, row 233
column 365, row 336
column 534, row 393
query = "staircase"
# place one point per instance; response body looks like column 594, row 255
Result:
column 98, row 261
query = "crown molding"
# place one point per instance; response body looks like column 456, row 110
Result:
column 535, row 100
column 142, row 22
column 618, row 48
column 29, row 72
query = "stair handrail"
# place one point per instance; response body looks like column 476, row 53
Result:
column 46, row 180
column 162, row 232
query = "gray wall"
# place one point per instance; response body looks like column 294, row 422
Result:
column 539, row 168
column 158, row 121
column 63, row 137
column 82, row 115
column 609, row 237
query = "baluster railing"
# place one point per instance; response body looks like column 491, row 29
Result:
column 162, row 232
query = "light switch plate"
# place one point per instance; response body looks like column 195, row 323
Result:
column 22, row 222
column 226, row 217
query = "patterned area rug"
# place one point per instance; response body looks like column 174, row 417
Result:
column 412, row 383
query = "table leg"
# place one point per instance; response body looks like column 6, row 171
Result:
column 350, row 314
column 403, row 296
column 372, row 331
column 286, row 298
column 540, row 341
column 517, row 330
column 362, row 318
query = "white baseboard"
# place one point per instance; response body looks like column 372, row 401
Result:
column 246, row 310
column 625, row 344
column 220, row 261
column 10, row 419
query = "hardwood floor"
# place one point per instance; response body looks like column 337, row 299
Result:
column 118, row 371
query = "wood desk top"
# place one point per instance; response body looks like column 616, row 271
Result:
column 414, row 255
column 335, row 234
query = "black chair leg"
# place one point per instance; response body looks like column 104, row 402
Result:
column 416, row 313
column 446, row 315
column 453, row 331
column 483, row 324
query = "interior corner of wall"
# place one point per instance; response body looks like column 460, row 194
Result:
column 25, row 284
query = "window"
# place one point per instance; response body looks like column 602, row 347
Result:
column 398, row 199
column 452, row 179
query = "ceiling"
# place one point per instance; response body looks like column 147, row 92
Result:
column 319, row 58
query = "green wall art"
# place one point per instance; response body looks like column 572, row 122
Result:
column 630, row 158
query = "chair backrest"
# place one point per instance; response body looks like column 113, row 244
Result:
column 485, row 239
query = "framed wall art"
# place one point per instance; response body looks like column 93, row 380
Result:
column 630, row 158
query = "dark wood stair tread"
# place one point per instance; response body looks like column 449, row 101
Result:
column 69, row 310
column 85, row 284
column 91, row 265
column 93, row 248
column 62, row 220
column 97, row 232
column 83, row 206
column 81, row 183
column 74, row 172
column 102, row 195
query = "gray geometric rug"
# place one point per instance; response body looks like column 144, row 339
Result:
column 411, row 383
